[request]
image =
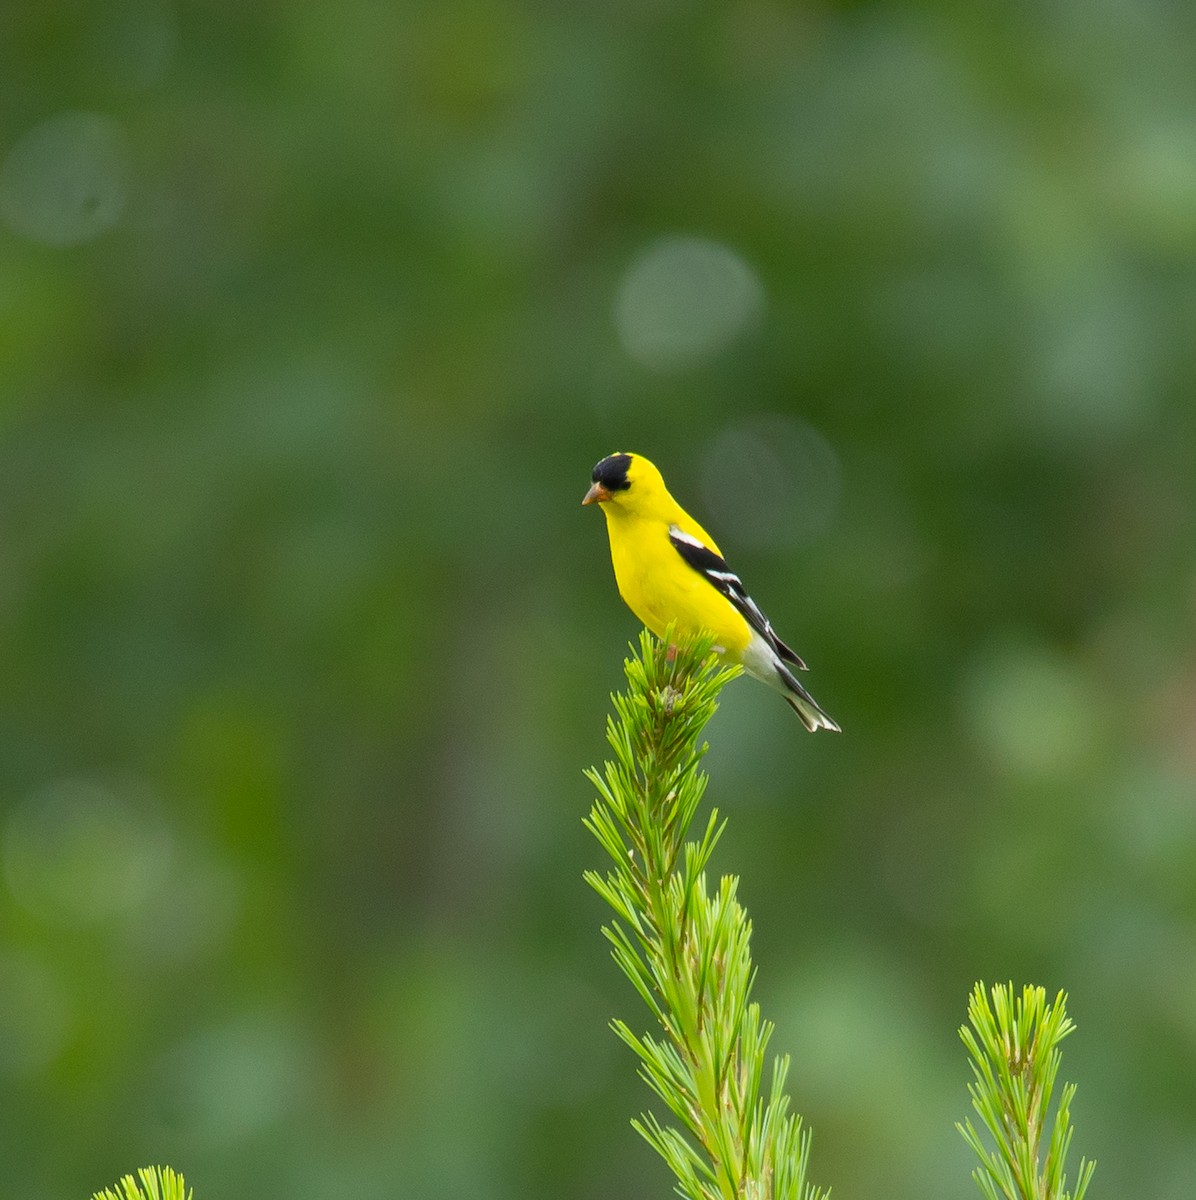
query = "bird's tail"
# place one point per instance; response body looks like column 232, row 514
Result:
column 802, row 703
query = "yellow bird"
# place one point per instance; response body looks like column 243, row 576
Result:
column 669, row 569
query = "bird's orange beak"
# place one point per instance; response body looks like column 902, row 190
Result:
column 596, row 495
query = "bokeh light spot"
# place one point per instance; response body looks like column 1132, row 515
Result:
column 1032, row 710
column 76, row 853
column 682, row 300
column 66, row 181
column 773, row 480
column 230, row 1082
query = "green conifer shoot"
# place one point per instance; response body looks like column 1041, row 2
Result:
column 684, row 948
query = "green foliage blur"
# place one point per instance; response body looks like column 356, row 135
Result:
column 314, row 318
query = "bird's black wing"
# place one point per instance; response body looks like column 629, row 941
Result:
column 713, row 568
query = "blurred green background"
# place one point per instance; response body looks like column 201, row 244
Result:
column 314, row 318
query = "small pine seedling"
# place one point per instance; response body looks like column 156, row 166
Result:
column 1014, row 1047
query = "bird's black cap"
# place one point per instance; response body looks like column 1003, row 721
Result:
column 611, row 472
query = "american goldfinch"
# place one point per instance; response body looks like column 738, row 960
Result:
column 668, row 569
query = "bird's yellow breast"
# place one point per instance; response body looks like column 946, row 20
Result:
column 660, row 587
